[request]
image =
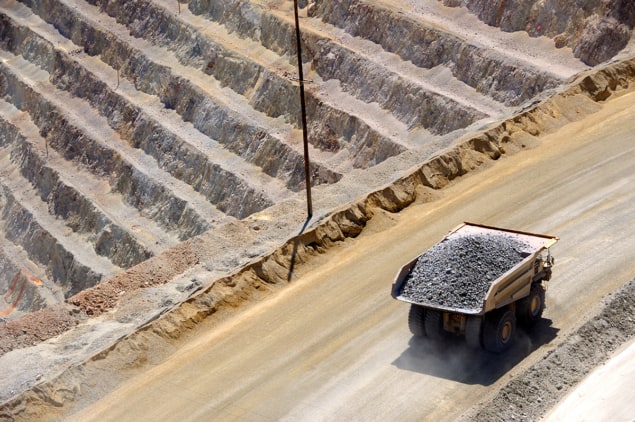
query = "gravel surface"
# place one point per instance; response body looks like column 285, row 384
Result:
column 458, row 272
column 529, row 396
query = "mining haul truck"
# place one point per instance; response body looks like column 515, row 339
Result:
column 478, row 281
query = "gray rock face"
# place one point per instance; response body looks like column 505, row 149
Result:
column 429, row 46
column 596, row 31
column 458, row 272
column 126, row 127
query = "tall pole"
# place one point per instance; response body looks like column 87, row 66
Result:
column 307, row 172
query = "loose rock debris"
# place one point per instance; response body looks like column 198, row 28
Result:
column 458, row 272
column 529, row 396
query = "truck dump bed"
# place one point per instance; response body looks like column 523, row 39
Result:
column 472, row 270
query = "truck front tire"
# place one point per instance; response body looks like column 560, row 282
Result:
column 416, row 318
column 529, row 309
column 498, row 330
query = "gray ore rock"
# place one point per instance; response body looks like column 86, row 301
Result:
column 458, row 272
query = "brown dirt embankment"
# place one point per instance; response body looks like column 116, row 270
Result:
column 261, row 272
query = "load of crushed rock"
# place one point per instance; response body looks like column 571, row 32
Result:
column 457, row 272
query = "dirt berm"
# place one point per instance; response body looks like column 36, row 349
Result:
column 53, row 356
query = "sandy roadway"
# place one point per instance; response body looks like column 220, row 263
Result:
column 335, row 345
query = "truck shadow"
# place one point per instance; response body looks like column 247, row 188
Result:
column 452, row 359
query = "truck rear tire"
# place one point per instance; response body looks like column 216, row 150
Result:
column 473, row 330
column 416, row 318
column 498, row 330
column 529, row 309
column 434, row 324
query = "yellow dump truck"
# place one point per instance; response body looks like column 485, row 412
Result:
column 478, row 281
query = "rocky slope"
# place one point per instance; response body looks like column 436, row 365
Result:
column 128, row 127
column 596, row 31
column 137, row 318
column 73, row 112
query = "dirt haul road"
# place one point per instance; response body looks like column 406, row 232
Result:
column 335, row 346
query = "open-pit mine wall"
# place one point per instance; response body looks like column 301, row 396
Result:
column 128, row 127
column 596, row 31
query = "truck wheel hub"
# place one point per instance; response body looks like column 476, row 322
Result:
column 506, row 332
column 535, row 305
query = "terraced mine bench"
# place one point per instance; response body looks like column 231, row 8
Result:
column 127, row 128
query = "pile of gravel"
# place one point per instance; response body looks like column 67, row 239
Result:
column 457, row 272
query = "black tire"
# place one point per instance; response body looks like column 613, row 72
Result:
column 473, row 330
column 530, row 308
column 416, row 318
column 433, row 322
column 498, row 330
